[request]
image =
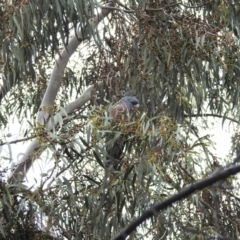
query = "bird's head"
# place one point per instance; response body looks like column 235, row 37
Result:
column 131, row 102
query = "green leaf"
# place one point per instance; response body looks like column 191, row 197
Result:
column 91, row 179
column 98, row 159
column 70, row 190
column 129, row 170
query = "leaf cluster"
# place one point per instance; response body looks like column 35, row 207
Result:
column 178, row 59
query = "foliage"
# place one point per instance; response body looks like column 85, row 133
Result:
column 180, row 59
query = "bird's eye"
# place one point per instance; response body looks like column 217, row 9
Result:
column 134, row 102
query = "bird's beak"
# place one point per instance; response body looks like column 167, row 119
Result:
column 136, row 106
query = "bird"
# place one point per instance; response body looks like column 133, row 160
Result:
column 125, row 108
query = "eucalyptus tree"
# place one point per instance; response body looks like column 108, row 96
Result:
column 181, row 60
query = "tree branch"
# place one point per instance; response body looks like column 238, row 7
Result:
column 17, row 141
column 118, row 9
column 61, row 63
column 211, row 115
column 220, row 174
column 33, row 151
column 198, row 6
column 30, row 155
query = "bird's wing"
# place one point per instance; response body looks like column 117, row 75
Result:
column 117, row 109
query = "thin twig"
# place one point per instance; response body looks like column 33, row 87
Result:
column 195, row 6
column 17, row 141
column 118, row 9
column 211, row 115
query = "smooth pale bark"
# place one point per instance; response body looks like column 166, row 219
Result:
column 34, row 150
column 77, row 104
column 61, row 63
